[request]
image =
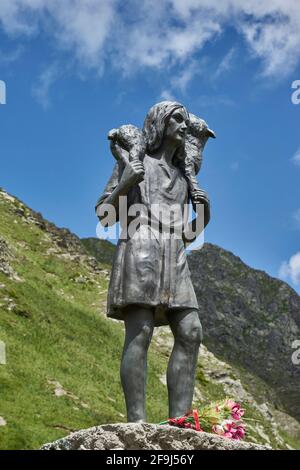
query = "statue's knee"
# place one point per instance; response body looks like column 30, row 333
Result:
column 200, row 332
column 191, row 335
column 195, row 334
column 145, row 335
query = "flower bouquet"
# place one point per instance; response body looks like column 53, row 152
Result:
column 223, row 418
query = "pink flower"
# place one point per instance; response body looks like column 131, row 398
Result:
column 239, row 432
column 230, row 404
column 224, row 429
column 218, row 430
column 229, row 429
column 228, row 424
column 236, row 411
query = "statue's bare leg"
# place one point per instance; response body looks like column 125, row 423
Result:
column 187, row 331
column 139, row 324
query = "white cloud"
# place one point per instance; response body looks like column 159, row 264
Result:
column 167, row 95
column 213, row 101
column 151, row 33
column 181, row 80
column 275, row 40
column 80, row 26
column 84, row 26
column 226, row 63
column 291, row 269
column 45, row 81
column 296, row 157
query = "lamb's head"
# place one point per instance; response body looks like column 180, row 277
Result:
column 196, row 138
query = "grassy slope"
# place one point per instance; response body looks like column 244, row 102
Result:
column 102, row 250
column 54, row 330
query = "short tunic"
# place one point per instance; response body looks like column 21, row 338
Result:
column 150, row 269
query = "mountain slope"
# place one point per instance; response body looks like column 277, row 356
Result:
column 102, row 250
column 249, row 319
column 62, row 370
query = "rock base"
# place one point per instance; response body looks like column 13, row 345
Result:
column 136, row 436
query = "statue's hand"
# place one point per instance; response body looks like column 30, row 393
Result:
column 200, row 197
column 133, row 173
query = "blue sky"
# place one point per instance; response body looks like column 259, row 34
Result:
column 75, row 69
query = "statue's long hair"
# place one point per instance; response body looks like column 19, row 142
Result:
column 188, row 157
column 156, row 122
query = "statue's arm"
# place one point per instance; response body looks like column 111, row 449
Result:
column 198, row 223
column 125, row 175
column 108, row 195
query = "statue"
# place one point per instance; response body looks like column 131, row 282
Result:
column 150, row 282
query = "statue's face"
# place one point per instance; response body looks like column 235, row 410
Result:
column 177, row 126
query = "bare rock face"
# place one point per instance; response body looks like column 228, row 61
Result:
column 135, row 436
column 249, row 319
column 65, row 244
column 6, row 256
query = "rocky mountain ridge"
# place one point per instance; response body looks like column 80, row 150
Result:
column 249, row 319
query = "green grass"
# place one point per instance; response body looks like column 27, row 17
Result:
column 102, row 250
column 56, row 332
